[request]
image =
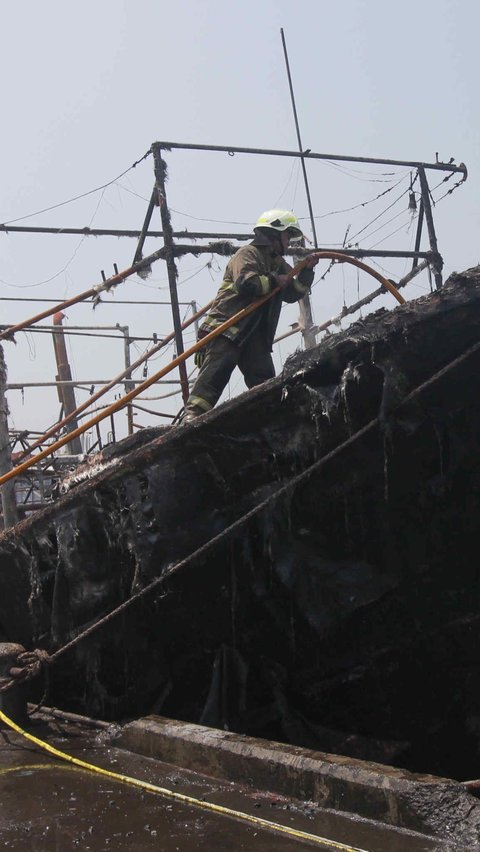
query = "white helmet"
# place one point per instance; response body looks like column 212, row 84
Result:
column 280, row 220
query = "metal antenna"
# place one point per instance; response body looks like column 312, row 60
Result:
column 300, row 146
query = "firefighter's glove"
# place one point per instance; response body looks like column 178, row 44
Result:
column 199, row 358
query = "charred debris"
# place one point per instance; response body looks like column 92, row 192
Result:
column 343, row 615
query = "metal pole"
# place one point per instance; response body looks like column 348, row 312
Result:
column 195, row 324
column 7, row 491
column 220, row 247
column 112, row 424
column 105, row 383
column 311, row 155
column 99, row 436
column 129, row 385
column 306, row 323
column 306, row 317
column 300, row 146
column 437, row 261
column 143, row 233
column 418, row 237
column 66, row 392
column 160, row 170
column 115, row 232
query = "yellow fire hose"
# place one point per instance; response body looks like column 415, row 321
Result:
column 121, row 403
column 178, row 797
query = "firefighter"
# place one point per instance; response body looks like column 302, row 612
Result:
column 253, row 271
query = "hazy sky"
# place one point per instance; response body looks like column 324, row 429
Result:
column 86, row 88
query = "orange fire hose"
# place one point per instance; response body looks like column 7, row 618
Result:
column 69, row 417
column 344, row 258
column 87, row 294
column 121, row 403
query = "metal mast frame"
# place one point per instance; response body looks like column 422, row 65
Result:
column 172, row 249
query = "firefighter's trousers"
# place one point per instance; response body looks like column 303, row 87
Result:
column 222, row 355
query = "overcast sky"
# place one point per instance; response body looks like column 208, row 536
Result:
column 87, row 88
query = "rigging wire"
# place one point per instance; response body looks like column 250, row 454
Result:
column 68, row 263
column 296, row 162
column 401, row 228
column 375, row 219
column 300, row 218
column 217, row 221
column 132, row 192
column 295, row 189
column 82, row 195
column 32, row 352
column 350, row 173
column 449, row 191
column 362, row 204
column 412, row 283
column 388, row 272
column 352, row 170
column 399, row 214
column 380, row 227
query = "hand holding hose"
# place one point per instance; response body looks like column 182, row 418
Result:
column 308, row 262
column 311, row 260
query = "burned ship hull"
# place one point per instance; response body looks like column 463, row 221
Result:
column 343, row 613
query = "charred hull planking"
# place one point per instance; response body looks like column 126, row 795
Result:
column 345, row 616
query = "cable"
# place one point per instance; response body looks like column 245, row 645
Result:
column 449, row 191
column 132, row 192
column 296, row 162
column 356, row 206
column 385, row 271
column 300, row 218
column 295, row 187
column 57, row 274
column 154, row 284
column 405, row 224
column 350, row 173
column 379, row 215
column 184, row 281
column 217, row 221
column 380, row 227
column 83, row 194
column 352, row 170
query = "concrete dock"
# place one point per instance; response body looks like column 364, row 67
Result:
column 47, row 804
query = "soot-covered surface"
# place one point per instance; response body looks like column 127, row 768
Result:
column 345, row 616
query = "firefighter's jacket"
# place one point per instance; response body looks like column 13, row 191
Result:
column 247, row 278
